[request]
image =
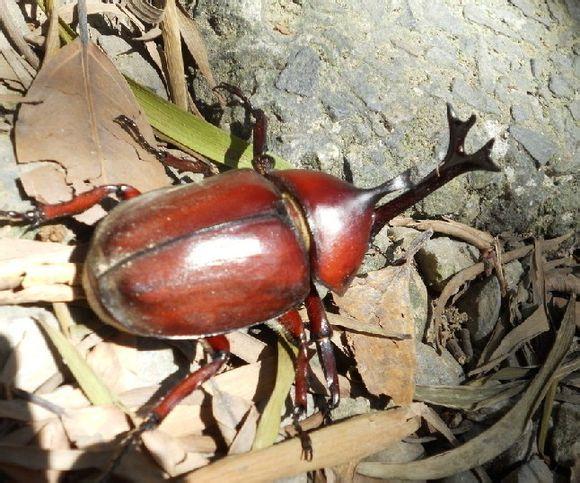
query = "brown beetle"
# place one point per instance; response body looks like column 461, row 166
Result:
column 199, row 261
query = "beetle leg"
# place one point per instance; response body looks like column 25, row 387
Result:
column 321, row 333
column 221, row 353
column 78, row 204
column 293, row 324
column 261, row 162
column 181, row 164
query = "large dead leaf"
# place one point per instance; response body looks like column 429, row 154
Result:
column 73, row 128
column 383, row 299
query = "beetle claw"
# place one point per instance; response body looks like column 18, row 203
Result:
column 307, row 450
column 32, row 217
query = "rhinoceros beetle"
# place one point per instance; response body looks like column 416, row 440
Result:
column 242, row 247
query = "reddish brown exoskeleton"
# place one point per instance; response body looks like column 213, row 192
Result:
column 243, row 247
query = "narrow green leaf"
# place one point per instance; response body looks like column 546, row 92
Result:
column 190, row 132
column 89, row 382
column 269, row 424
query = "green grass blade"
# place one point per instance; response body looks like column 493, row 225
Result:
column 269, row 424
column 95, row 390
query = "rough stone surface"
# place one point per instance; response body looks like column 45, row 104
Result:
column 481, row 303
column 358, row 89
column 300, row 76
column 440, row 258
column 538, row 145
column 513, row 272
column 434, row 369
column 132, row 63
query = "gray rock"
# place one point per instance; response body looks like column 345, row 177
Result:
column 560, row 86
column 131, row 63
column 441, row 258
column 538, row 145
column 474, row 97
column 349, row 407
column 575, row 110
column 481, row 303
column 521, row 112
column 513, row 272
column 529, row 9
column 534, row 471
column 482, row 15
column 436, row 370
column 539, row 67
column 566, row 434
column 300, row 76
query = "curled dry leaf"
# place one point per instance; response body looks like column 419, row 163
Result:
column 534, row 325
column 73, row 128
column 229, row 411
column 94, row 425
column 383, row 298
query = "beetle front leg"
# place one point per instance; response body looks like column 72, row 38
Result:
column 321, row 332
column 78, row 204
column 263, row 163
column 167, row 159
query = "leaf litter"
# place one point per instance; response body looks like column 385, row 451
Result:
column 374, row 332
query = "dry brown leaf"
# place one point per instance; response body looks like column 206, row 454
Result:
column 124, row 365
column 94, row 425
column 480, row 239
column 173, row 55
column 196, row 45
column 246, row 347
column 534, row 325
column 145, row 11
column 133, row 466
column 73, row 127
column 228, row 410
column 52, row 43
column 245, row 437
column 382, row 298
column 170, row 453
column 252, row 382
column 13, row 24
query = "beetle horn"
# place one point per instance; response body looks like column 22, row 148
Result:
column 456, row 162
